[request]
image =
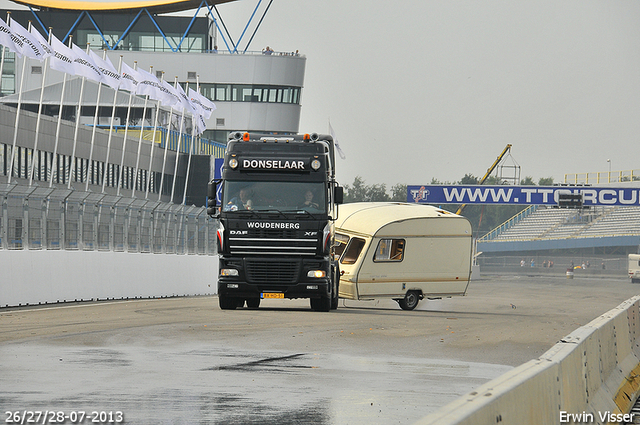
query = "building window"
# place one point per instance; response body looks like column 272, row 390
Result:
column 250, row 93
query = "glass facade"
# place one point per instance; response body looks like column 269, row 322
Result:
column 250, row 93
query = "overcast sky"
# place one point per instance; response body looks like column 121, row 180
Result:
column 420, row 89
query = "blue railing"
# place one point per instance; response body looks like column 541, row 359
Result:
column 186, row 143
column 509, row 223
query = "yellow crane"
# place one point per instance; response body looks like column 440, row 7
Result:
column 489, row 171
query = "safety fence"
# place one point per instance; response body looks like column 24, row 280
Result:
column 38, row 218
column 601, row 177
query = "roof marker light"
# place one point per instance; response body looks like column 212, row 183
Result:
column 245, row 137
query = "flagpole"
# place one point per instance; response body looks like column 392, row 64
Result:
column 192, row 147
column 93, row 131
column 126, row 131
column 72, row 166
column 113, row 114
column 175, row 170
column 166, row 147
column 15, row 129
column 153, row 142
column 55, row 147
column 4, row 49
column 2, row 66
column 144, row 116
column 35, row 143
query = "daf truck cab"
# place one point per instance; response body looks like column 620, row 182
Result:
column 279, row 201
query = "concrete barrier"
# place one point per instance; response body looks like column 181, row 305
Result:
column 31, row 277
column 591, row 376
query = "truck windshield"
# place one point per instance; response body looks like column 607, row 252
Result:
column 281, row 196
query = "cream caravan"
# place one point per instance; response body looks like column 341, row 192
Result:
column 406, row 252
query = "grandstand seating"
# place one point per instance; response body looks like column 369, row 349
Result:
column 555, row 223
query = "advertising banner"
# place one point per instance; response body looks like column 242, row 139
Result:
column 521, row 195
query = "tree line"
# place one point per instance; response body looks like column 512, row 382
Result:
column 483, row 218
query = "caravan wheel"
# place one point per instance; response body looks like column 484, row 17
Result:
column 410, row 300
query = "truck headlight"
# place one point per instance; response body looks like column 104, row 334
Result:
column 229, row 272
column 315, row 164
column 317, row 273
column 233, row 163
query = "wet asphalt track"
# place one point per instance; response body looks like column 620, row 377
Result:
column 184, row 361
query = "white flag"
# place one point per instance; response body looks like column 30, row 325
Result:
column 84, row 66
column 31, row 48
column 199, row 124
column 62, row 60
column 173, row 100
column 43, row 43
column 152, row 87
column 204, row 105
column 184, row 100
column 335, row 142
column 8, row 39
column 109, row 72
column 149, row 85
column 129, row 78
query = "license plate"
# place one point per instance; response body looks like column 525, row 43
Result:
column 272, row 295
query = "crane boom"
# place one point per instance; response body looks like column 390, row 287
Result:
column 489, row 171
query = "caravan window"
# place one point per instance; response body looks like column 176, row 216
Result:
column 389, row 250
column 352, row 252
column 340, row 244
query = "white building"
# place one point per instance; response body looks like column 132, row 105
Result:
column 252, row 91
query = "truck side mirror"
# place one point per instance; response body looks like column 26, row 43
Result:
column 212, row 202
column 338, row 194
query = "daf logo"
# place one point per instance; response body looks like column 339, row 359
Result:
column 239, row 232
column 310, row 233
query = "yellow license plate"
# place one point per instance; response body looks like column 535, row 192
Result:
column 272, row 295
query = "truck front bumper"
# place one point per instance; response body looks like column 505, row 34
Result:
column 249, row 280
column 236, row 289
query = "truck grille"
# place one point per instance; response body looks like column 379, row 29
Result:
column 272, row 271
column 272, row 246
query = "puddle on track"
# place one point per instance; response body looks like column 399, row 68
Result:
column 205, row 384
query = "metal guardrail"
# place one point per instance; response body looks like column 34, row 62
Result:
column 38, row 218
column 624, row 176
column 508, row 224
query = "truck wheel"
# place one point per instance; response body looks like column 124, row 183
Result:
column 253, row 302
column 227, row 303
column 321, row 304
column 334, row 301
column 410, row 300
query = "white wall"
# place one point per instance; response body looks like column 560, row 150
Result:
column 34, row 277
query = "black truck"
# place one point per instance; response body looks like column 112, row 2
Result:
column 276, row 233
